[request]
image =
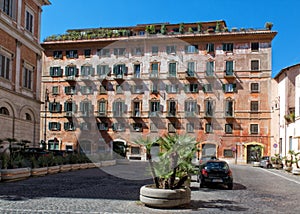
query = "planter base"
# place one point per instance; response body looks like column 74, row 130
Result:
column 296, row 171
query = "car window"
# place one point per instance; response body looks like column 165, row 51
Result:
column 216, row 165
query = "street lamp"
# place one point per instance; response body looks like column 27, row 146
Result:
column 46, row 100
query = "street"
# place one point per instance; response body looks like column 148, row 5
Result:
column 115, row 189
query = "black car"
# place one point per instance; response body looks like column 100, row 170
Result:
column 215, row 172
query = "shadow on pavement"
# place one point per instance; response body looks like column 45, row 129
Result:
column 225, row 205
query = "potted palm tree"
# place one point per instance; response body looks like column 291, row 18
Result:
column 170, row 173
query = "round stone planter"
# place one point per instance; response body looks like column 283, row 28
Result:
column 15, row 174
column 75, row 166
column 65, row 168
column 39, row 171
column 296, row 171
column 164, row 198
column 84, row 165
column 276, row 166
column 288, row 168
column 53, row 169
column 108, row 163
column 98, row 165
column 91, row 165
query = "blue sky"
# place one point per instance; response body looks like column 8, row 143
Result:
column 62, row 15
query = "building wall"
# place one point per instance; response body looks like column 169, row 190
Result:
column 20, row 102
column 241, row 137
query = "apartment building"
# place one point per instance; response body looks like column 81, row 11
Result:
column 286, row 106
column 20, row 69
column 104, row 88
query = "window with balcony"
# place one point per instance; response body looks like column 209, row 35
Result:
column 210, row 47
column 71, row 71
column 28, row 77
column 102, row 107
column 172, row 88
column 154, row 70
column 69, row 126
column 172, row 69
column 57, row 55
column 87, row 70
column 229, row 108
column 191, row 49
column 120, row 70
column 136, row 108
column 209, row 108
column 228, row 128
column 171, row 49
column 191, row 88
column 137, row 70
column 102, row 126
column 229, row 68
column 208, row 128
column 254, row 65
column 118, row 127
column 154, row 110
column 228, row 47
column 229, row 88
column 191, row 69
column 54, row 107
column 254, row 46
column 254, row 106
column 70, row 90
column 138, row 127
column 190, row 108
column 5, row 66
column 86, row 108
column 85, row 90
column 29, row 20
column 254, row 87
column 119, row 51
column 55, row 71
column 210, row 68
column 172, row 106
column 119, row 108
column 207, row 88
column 171, row 127
column 71, row 54
column 103, row 70
column 70, row 107
column 54, row 126
column 253, row 128
column 190, row 127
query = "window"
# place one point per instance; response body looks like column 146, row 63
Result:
column 209, row 108
column 102, row 106
column 191, row 88
column 120, row 70
column 119, row 127
column 172, row 88
column 254, row 128
column 137, row 71
column 172, row 69
column 119, row 108
column 154, row 50
column 70, row 90
column 8, row 7
column 171, row 49
column 208, row 128
column 55, row 71
column 154, row 69
column 228, row 153
column 155, row 88
column 86, row 108
column 70, row 54
column 153, row 127
column 229, row 88
column 138, row 51
column 69, row 126
column 53, row 144
column 54, row 107
column 103, row 70
column 4, row 111
column 29, row 21
column 210, row 47
column 55, row 90
column 5, row 65
column 102, row 126
column 207, row 88
column 171, row 108
column 87, row 70
column 190, row 108
column 254, row 65
column 290, row 143
column 70, row 106
column 136, row 111
column 86, row 89
column 190, row 127
column 254, row 105
column 71, row 71
column 57, row 55
column 191, row 69
column 229, row 68
column 254, row 87
column 191, row 49
column 105, row 52
column 28, row 78
column 135, row 150
column 138, row 127
column 254, row 46
column 54, row 126
column 28, row 117
column 87, row 53
column 228, row 47
column 154, row 108
column 171, row 127
column 119, row 51
column 228, row 128
column 137, row 89
column 229, row 108
column 85, row 126
column 210, row 69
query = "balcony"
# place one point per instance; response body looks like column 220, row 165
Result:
column 68, row 114
column 208, row 115
column 229, row 115
column 171, row 114
column 209, row 73
column 229, row 74
column 190, row 114
column 153, row 75
column 119, row 77
column 136, row 114
column 154, row 114
column 86, row 77
column 70, row 78
column 191, row 75
column 101, row 114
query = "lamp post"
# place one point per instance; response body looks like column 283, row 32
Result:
column 46, row 100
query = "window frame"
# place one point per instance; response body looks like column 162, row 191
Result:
column 254, row 65
column 254, row 128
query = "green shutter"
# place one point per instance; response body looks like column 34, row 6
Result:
column 58, row 126
column 51, row 71
column 49, row 125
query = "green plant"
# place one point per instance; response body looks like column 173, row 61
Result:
column 269, row 25
column 174, row 166
column 218, row 26
column 150, row 29
column 256, row 152
column 276, row 159
column 163, row 29
column 190, row 30
column 4, row 157
column 199, row 26
column 43, row 161
column 290, row 118
column 181, row 28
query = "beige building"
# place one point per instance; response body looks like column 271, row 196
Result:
column 108, row 87
column 20, row 69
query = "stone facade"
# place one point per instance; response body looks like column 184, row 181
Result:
column 199, row 79
column 20, row 70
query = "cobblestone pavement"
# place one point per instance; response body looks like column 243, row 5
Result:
column 115, row 189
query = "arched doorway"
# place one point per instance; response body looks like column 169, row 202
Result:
column 253, row 151
column 119, row 148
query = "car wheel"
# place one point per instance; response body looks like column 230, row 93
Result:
column 269, row 166
column 230, row 185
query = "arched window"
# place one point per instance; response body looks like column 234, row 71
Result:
column 28, row 117
column 4, row 111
